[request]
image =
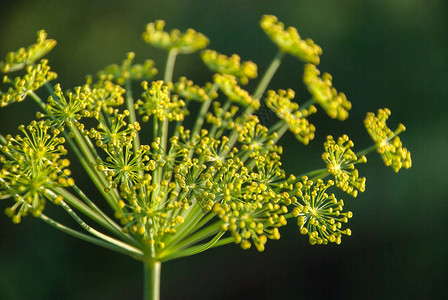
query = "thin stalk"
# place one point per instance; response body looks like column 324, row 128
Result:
column 132, row 116
column 314, row 173
column 307, row 103
column 367, row 150
column 94, row 232
column 99, row 179
column 152, row 270
column 88, row 238
column 196, row 249
column 281, row 132
column 94, row 213
column 197, row 237
column 169, row 69
column 200, row 120
column 269, row 74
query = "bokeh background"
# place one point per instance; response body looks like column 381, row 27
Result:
column 382, row 53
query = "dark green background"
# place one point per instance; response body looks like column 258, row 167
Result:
column 383, row 53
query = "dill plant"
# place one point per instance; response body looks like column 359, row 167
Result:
column 180, row 191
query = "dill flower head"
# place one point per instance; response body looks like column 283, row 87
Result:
column 186, row 89
column 129, row 70
column 230, row 87
column 24, row 57
column 288, row 111
column 335, row 104
column 185, row 43
column 341, row 162
column 36, row 76
column 289, row 40
column 388, row 143
column 158, row 102
column 320, row 215
column 32, row 167
column 232, row 65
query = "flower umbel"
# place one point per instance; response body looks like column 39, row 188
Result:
column 185, row 43
column 388, row 143
column 205, row 170
column 335, row 104
column 320, row 215
column 289, row 40
column 31, row 166
column 341, row 162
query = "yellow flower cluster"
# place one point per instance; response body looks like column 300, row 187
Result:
column 129, row 71
column 320, row 215
column 288, row 111
column 32, row 167
column 230, row 87
column 341, row 162
column 221, row 118
column 388, row 143
column 189, row 91
column 289, row 40
column 103, row 95
column 115, row 131
column 24, row 57
column 69, row 108
column 184, row 43
column 321, row 88
column 159, row 103
column 35, row 77
column 232, row 65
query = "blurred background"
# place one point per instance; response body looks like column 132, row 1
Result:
column 383, row 53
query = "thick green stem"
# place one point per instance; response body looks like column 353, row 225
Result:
column 152, row 272
column 269, row 74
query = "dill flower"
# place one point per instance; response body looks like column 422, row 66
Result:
column 24, row 57
column 341, row 162
column 335, row 104
column 289, row 40
column 230, row 87
column 189, row 91
column 289, row 112
column 36, row 76
column 158, row 102
column 31, row 166
column 232, row 65
column 387, row 142
column 185, row 43
column 320, row 215
column 129, row 71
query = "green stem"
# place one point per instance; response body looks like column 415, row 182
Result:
column 269, row 74
column 307, row 103
column 88, row 238
column 92, row 231
column 281, row 132
column 169, row 67
column 152, row 270
column 132, row 116
column 196, row 249
column 200, row 120
column 197, row 237
column 314, row 173
column 367, row 150
column 96, row 215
